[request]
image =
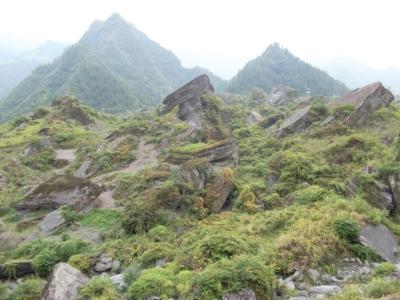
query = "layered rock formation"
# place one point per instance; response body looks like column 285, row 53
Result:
column 282, row 95
column 298, row 121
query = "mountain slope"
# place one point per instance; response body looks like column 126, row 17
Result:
column 14, row 68
column 277, row 66
column 114, row 67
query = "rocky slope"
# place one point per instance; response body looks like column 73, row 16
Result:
column 201, row 199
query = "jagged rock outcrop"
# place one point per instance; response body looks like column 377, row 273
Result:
column 64, row 283
column 245, row 294
column 69, row 108
column 199, row 107
column 366, row 100
column 282, row 95
column 196, row 173
column 222, row 153
column 52, row 221
column 297, row 122
column 61, row 190
column 382, row 240
column 16, row 269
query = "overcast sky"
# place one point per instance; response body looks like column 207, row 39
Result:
column 222, row 35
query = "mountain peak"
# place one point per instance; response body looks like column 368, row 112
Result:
column 115, row 17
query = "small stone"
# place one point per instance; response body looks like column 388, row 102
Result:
column 116, row 265
column 324, row 289
column 314, row 275
column 118, row 280
column 104, row 263
column 290, row 285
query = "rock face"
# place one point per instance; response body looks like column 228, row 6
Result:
column 198, row 106
column 366, row 100
column 295, row 123
column 69, row 108
column 282, row 95
column 382, row 240
column 52, row 221
column 196, row 173
column 189, row 92
column 104, row 263
column 254, row 118
column 61, row 190
column 20, row 268
column 64, row 283
column 246, row 294
column 222, row 153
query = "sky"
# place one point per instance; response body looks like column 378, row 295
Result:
column 222, row 35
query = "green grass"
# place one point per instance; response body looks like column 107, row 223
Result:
column 102, row 219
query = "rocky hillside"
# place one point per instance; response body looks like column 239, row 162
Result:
column 276, row 67
column 203, row 199
column 113, row 68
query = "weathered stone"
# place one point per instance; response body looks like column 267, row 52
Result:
column 300, row 298
column 61, row 190
column 52, row 221
column 329, row 120
column 118, row 280
column 324, row 290
column 218, row 193
column 82, row 171
column 192, row 90
column 3, row 180
column 297, row 122
column 104, row 263
column 64, row 283
column 254, row 118
column 366, row 100
column 69, row 108
column 314, row 275
column 16, row 269
column 222, row 153
column 245, row 294
column 282, row 95
column 196, row 173
column 381, row 239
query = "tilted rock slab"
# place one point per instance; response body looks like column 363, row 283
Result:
column 297, row 122
column 64, row 283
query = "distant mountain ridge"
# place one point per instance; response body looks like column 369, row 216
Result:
column 15, row 68
column 114, row 67
column 277, row 66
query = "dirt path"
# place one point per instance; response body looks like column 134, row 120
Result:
column 66, row 154
column 146, row 156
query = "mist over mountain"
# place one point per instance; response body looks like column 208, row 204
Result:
column 355, row 74
column 14, row 66
column 114, row 67
column 277, row 66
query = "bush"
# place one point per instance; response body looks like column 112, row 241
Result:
column 132, row 273
column 364, row 252
column 232, row 275
column 44, row 262
column 310, row 194
column 246, row 201
column 99, row 288
column 152, row 282
column 384, row 269
column 80, row 261
column 381, row 287
column 347, row 229
column 30, row 289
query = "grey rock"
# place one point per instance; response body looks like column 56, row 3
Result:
column 314, row 275
column 327, row 279
column 282, row 95
column 104, row 263
column 161, row 263
column 366, row 100
column 300, row 298
column 69, row 108
column 52, row 221
column 196, row 173
column 253, row 118
column 64, row 283
column 246, row 294
column 82, row 171
column 61, row 190
column 116, row 265
column 118, row 280
column 3, row 180
column 290, row 285
column 297, row 122
column 324, row 290
column 381, row 239
column 20, row 267
column 329, row 120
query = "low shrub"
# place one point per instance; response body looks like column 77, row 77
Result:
column 384, row 269
column 82, row 262
column 310, row 194
column 380, row 287
column 29, row 289
column 348, row 229
column 99, row 288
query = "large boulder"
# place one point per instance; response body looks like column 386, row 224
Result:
column 189, row 92
column 219, row 191
column 61, row 190
column 366, row 100
column 69, row 108
column 200, row 108
column 245, row 294
column 282, row 95
column 297, row 122
column 196, row 173
column 382, row 240
column 64, row 283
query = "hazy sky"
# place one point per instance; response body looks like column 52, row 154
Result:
column 222, row 35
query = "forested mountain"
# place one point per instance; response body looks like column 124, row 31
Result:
column 277, row 66
column 114, row 67
column 14, row 68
